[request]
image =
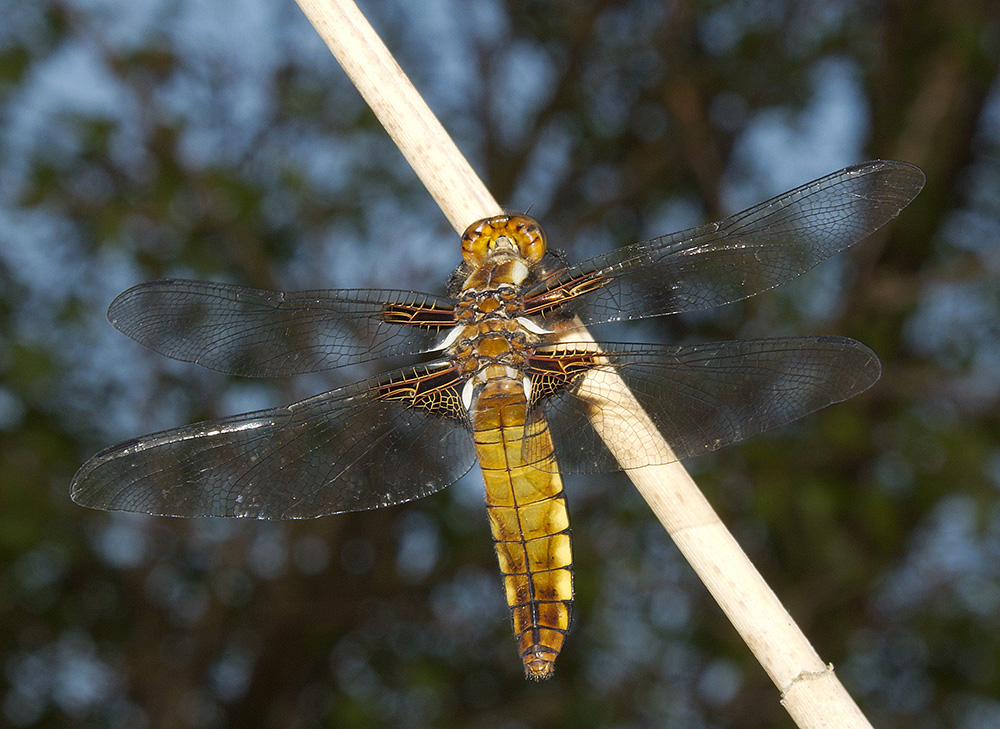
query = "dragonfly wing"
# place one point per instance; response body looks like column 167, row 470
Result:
column 733, row 259
column 361, row 447
column 257, row 333
column 699, row 397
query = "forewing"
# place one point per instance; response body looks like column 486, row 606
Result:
column 257, row 333
column 361, row 447
column 744, row 254
column 699, row 397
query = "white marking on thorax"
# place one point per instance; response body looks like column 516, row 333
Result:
column 467, row 391
column 519, row 272
column 449, row 339
column 530, row 326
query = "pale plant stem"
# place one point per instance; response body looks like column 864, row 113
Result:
column 810, row 691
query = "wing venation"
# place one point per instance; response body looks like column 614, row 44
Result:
column 355, row 448
column 258, row 333
column 699, row 397
column 743, row 255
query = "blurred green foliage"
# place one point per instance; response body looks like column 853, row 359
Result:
column 177, row 138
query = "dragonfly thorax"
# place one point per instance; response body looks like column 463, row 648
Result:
column 491, row 333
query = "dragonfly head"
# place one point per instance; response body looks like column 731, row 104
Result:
column 489, row 238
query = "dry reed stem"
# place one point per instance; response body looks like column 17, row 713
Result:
column 810, row 691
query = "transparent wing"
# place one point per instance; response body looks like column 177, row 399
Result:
column 361, row 447
column 257, row 333
column 700, row 397
column 744, row 254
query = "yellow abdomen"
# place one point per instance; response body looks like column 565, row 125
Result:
column 527, row 510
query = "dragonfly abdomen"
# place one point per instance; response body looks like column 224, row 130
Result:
column 529, row 522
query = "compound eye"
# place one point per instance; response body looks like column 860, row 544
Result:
column 530, row 238
column 514, row 231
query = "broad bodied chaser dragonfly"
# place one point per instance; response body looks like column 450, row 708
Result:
column 502, row 383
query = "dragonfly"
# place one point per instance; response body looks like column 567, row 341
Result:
column 502, row 380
